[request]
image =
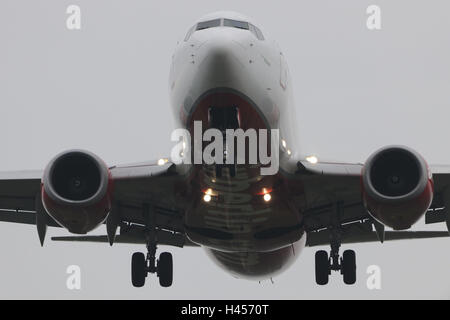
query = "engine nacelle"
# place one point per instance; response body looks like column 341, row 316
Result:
column 397, row 186
column 77, row 190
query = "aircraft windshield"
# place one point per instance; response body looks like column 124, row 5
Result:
column 208, row 24
column 225, row 23
column 235, row 24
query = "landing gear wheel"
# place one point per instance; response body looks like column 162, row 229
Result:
column 165, row 269
column 322, row 268
column 349, row 267
column 138, row 269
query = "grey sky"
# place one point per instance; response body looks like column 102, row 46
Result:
column 104, row 88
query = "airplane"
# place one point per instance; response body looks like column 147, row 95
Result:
column 226, row 74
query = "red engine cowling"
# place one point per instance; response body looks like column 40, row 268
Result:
column 397, row 187
column 76, row 190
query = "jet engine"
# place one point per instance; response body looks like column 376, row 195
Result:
column 397, row 186
column 77, row 190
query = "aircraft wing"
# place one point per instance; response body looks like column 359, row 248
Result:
column 18, row 189
column 161, row 185
column 134, row 185
column 329, row 183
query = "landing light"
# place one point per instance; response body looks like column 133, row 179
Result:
column 208, row 195
column 312, row 159
column 162, row 162
column 266, row 194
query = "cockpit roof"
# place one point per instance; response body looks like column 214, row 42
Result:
column 226, row 15
column 225, row 19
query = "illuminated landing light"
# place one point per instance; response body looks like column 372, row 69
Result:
column 283, row 143
column 162, row 162
column 207, row 198
column 266, row 194
column 289, row 152
column 208, row 195
column 312, row 159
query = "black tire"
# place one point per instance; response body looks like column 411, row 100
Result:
column 322, row 268
column 349, row 267
column 138, row 269
column 165, row 269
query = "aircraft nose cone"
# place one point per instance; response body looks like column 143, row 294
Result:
column 220, row 48
column 223, row 60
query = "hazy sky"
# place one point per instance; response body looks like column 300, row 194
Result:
column 104, row 88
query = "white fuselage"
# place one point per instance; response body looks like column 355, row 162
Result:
column 227, row 67
column 226, row 57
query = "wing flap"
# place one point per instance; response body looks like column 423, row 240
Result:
column 164, row 238
column 363, row 232
column 18, row 189
column 322, row 239
column 18, row 217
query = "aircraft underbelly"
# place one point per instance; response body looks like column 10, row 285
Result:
column 258, row 265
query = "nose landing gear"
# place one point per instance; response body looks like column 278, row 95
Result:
column 223, row 118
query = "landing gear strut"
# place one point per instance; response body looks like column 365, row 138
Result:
column 142, row 265
column 334, row 262
column 223, row 118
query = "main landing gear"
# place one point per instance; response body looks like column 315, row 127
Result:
column 142, row 265
column 345, row 264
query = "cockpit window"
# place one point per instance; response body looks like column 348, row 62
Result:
column 208, row 24
column 236, row 24
column 226, row 23
column 255, row 30
column 190, row 32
